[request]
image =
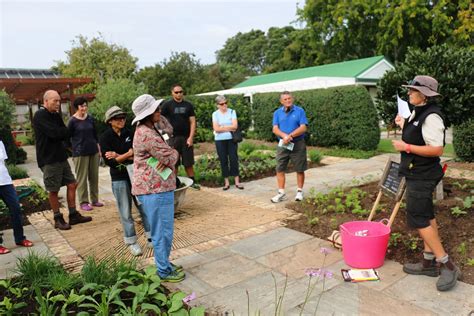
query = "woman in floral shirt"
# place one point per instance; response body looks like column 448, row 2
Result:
column 154, row 182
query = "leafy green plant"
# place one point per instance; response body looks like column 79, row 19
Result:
column 46, row 306
column 412, row 242
column 394, row 239
column 8, row 308
column 457, row 211
column 462, row 249
column 105, row 272
column 16, row 172
column 315, row 156
column 24, row 139
column 470, row 262
column 37, row 269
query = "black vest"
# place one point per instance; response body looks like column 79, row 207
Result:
column 414, row 166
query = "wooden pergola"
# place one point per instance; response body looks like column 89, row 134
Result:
column 31, row 90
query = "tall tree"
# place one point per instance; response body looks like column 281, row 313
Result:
column 97, row 59
column 246, row 50
column 183, row 68
column 353, row 29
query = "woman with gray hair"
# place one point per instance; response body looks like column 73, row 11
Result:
column 154, row 182
column 224, row 121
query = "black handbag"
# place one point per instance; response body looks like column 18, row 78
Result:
column 237, row 135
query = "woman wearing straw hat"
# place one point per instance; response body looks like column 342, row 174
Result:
column 421, row 146
column 116, row 144
column 154, row 182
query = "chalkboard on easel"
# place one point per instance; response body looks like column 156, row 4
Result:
column 391, row 183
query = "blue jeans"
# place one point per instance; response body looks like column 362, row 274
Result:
column 123, row 196
column 9, row 196
column 227, row 152
column 159, row 207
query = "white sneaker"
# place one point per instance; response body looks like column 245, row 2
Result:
column 135, row 249
column 279, row 198
column 299, row 196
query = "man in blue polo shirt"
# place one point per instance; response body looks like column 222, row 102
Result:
column 289, row 125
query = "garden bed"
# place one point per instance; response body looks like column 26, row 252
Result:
column 323, row 213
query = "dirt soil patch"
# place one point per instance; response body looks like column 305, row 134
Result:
column 456, row 232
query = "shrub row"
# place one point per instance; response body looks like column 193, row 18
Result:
column 463, row 140
column 338, row 117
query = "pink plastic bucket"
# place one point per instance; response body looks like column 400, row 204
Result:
column 364, row 252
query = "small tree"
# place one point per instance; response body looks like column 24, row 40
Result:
column 7, row 108
column 120, row 92
column 451, row 66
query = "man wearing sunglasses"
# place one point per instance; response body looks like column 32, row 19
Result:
column 181, row 116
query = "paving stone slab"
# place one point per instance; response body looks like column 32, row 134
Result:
column 260, row 298
column 339, row 300
column 227, row 271
column 204, row 257
column 260, row 245
column 390, row 273
column 192, row 284
column 374, row 302
column 421, row 291
column 294, row 260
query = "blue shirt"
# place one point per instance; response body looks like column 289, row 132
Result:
column 287, row 122
column 224, row 119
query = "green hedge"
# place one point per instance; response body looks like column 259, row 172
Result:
column 463, row 140
column 16, row 155
column 204, row 106
column 338, row 117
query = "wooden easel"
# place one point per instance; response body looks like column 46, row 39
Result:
column 390, row 184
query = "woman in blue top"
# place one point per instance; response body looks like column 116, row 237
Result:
column 224, row 121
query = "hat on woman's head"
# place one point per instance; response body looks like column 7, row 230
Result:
column 113, row 112
column 143, row 106
column 427, row 85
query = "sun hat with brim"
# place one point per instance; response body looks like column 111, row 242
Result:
column 143, row 106
column 113, row 112
column 427, row 85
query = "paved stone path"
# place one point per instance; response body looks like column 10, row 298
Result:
column 222, row 269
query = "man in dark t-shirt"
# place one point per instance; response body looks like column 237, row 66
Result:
column 180, row 114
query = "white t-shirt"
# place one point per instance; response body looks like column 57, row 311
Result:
column 5, row 178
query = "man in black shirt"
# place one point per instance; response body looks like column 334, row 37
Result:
column 180, row 113
column 50, row 133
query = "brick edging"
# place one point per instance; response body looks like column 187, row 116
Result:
column 56, row 243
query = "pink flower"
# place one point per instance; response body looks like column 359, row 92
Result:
column 325, row 250
column 189, row 298
column 311, row 272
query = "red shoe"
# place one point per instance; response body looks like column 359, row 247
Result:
column 4, row 250
column 25, row 243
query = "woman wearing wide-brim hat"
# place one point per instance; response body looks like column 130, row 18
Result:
column 154, row 182
column 423, row 135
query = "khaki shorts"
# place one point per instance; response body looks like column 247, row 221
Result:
column 56, row 175
column 297, row 156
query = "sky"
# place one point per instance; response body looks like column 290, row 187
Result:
column 35, row 34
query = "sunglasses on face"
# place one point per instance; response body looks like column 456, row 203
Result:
column 119, row 118
column 223, row 103
column 178, row 92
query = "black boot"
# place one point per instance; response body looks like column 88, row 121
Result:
column 77, row 218
column 60, row 223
